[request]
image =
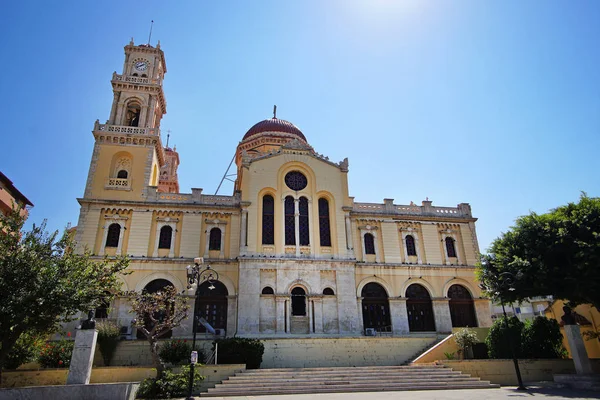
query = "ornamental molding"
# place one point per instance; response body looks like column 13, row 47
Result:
column 132, row 139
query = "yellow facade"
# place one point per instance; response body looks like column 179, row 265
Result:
column 295, row 253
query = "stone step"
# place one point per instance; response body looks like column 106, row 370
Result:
column 325, row 389
column 275, row 378
column 373, row 368
column 346, row 381
column 345, row 373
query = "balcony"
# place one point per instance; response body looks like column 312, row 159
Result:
column 135, row 79
column 117, row 184
column 98, row 127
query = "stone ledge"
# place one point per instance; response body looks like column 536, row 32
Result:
column 113, row 391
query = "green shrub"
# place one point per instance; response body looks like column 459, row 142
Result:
column 109, row 334
column 449, row 356
column 499, row 338
column 56, row 354
column 26, row 349
column 541, row 338
column 177, row 352
column 465, row 339
column 171, row 385
column 240, row 351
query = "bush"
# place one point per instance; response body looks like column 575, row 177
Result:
column 499, row 338
column 465, row 339
column 56, row 354
column 541, row 338
column 170, row 385
column 177, row 352
column 25, row 350
column 109, row 334
column 240, row 351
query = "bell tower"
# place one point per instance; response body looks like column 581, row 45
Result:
column 128, row 152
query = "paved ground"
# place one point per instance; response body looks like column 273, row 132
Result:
column 537, row 391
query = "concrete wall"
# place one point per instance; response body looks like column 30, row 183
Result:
column 113, row 391
column 342, row 352
column 503, row 371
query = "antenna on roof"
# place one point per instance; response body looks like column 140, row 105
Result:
column 150, row 35
column 274, row 112
column 168, row 135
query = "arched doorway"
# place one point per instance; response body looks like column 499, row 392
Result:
column 153, row 287
column 462, row 307
column 298, row 301
column 212, row 306
column 420, row 309
column 376, row 308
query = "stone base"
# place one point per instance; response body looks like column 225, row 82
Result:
column 577, row 381
column 101, row 391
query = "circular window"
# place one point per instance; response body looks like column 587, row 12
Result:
column 295, row 180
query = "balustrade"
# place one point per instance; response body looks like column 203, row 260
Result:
column 118, row 183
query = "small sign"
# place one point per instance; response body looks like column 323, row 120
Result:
column 194, row 357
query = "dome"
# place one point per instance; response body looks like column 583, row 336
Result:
column 274, row 125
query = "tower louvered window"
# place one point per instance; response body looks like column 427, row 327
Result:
column 214, row 242
column 164, row 241
column 411, row 250
column 450, row 247
column 268, row 225
column 369, row 243
column 112, row 237
column 290, row 223
column 324, row 229
column 304, row 228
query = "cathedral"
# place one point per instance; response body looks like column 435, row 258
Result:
column 296, row 255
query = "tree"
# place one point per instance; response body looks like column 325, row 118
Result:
column 557, row 253
column 43, row 282
column 164, row 310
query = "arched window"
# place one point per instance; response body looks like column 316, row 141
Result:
column 122, row 174
column 290, row 223
column 268, row 223
column 420, row 309
column 112, row 237
column 376, row 308
column 303, row 221
column 132, row 116
column 164, row 241
column 268, row 290
column 328, row 292
column 212, row 305
column 214, row 243
column 153, row 287
column 324, row 231
column 411, row 250
column 298, row 301
column 450, row 249
column 462, row 307
column 369, row 244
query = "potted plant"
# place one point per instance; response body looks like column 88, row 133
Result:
column 109, row 334
column 465, row 339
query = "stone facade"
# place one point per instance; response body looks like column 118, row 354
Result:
column 295, row 253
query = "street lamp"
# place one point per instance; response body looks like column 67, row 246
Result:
column 504, row 282
column 197, row 276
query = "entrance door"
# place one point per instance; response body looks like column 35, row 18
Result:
column 420, row 309
column 462, row 307
column 376, row 308
column 212, row 305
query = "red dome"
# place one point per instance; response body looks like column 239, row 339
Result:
column 274, row 125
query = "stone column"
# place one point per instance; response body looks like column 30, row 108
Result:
column 577, row 348
column 283, row 226
column 441, row 314
column 80, row 370
column 206, row 253
column 483, row 312
column 376, row 246
column 362, row 242
column 318, row 314
column 360, row 315
column 173, row 238
column 103, row 244
column 399, row 316
column 222, row 253
column 349, row 243
column 121, row 233
column 311, row 237
column 297, row 225
column 243, row 235
column 280, row 313
column 231, row 315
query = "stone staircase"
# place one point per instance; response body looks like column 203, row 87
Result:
column 345, row 379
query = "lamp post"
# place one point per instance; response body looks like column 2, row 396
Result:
column 504, row 281
column 196, row 276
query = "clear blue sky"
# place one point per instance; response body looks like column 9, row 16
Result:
column 496, row 104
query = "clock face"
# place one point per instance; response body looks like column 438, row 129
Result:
column 141, row 65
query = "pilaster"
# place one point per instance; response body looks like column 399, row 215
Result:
column 441, row 314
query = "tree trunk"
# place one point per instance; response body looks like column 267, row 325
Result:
column 158, row 364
